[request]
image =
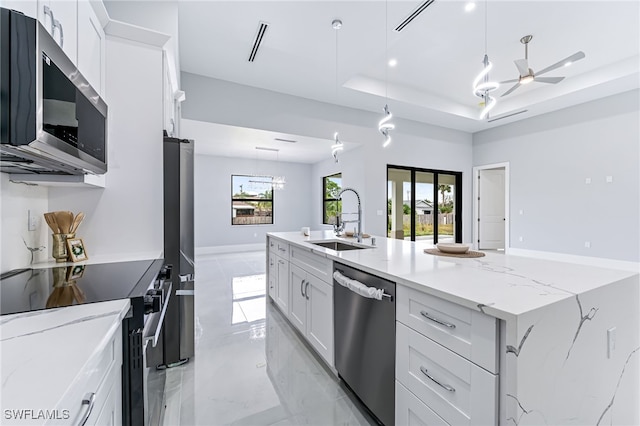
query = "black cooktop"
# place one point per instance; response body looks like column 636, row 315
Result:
column 35, row 289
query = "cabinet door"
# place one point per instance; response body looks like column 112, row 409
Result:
column 65, row 32
column 298, row 314
column 320, row 317
column 91, row 47
column 282, row 285
column 28, row 7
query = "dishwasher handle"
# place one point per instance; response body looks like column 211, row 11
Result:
column 360, row 288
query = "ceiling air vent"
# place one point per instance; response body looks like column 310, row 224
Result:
column 285, row 140
column 413, row 15
column 507, row 116
column 262, row 29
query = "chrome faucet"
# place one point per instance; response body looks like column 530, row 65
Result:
column 339, row 225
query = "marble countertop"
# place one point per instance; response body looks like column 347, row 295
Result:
column 55, row 346
column 503, row 286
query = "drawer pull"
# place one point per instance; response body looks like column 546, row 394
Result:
column 281, row 262
column 281, row 249
column 89, row 399
column 429, row 317
column 443, row 386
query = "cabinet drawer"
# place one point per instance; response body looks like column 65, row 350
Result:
column 96, row 372
column 411, row 411
column 456, row 389
column 469, row 333
column 279, row 247
column 319, row 266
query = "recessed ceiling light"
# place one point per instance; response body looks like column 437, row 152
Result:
column 265, row 148
column 470, row 6
column 393, row 62
column 566, row 64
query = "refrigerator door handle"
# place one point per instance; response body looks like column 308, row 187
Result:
column 185, row 292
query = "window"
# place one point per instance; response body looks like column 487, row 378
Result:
column 331, row 186
column 424, row 204
column 251, row 200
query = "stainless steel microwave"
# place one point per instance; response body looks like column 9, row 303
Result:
column 51, row 120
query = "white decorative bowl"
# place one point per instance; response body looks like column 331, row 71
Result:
column 455, row 248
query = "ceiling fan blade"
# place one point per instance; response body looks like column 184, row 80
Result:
column 510, row 81
column 511, row 90
column 552, row 80
column 522, row 65
column 575, row 57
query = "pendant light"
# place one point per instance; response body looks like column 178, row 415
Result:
column 338, row 146
column 385, row 125
column 278, row 182
column 482, row 86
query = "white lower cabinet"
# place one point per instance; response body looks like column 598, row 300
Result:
column 410, row 411
column 312, row 310
column 453, row 387
column 282, row 284
column 95, row 398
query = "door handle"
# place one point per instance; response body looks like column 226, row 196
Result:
column 306, row 291
column 301, row 290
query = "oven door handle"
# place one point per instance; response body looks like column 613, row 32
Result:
column 153, row 327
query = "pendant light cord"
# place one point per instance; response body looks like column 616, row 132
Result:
column 486, row 7
column 386, row 51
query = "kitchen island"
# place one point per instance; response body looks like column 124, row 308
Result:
column 566, row 344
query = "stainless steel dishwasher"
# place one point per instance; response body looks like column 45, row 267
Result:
column 365, row 338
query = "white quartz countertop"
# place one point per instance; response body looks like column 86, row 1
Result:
column 504, row 286
column 43, row 353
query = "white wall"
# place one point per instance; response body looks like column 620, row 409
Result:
column 15, row 200
column 126, row 218
column 550, row 158
column 414, row 144
column 212, row 199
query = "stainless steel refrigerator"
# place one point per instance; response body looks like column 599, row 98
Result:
column 178, row 330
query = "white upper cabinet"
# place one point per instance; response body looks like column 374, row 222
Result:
column 91, row 47
column 60, row 18
column 28, row 7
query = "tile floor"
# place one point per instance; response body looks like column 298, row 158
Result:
column 250, row 367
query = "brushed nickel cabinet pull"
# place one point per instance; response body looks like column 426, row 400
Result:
column 443, row 386
column 436, row 320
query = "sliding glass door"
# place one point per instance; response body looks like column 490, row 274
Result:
column 424, row 205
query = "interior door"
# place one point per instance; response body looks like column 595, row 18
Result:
column 491, row 203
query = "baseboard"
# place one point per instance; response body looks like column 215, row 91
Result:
column 235, row 248
column 581, row 260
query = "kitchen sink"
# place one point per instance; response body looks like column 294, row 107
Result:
column 337, row 245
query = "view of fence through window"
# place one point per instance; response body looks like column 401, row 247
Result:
column 251, row 200
column 412, row 213
column 330, row 207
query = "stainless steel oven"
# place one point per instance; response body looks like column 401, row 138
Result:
column 142, row 384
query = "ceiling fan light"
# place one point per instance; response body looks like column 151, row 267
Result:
column 526, row 79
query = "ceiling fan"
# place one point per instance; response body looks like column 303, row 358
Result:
column 527, row 75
